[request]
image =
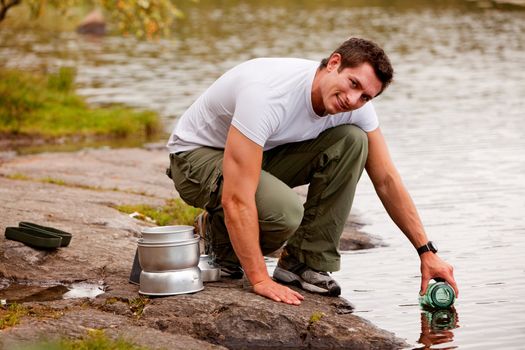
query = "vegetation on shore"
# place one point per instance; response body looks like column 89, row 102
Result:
column 46, row 106
column 94, row 340
column 140, row 18
column 175, row 212
column 11, row 315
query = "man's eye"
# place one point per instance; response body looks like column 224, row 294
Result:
column 353, row 83
column 365, row 98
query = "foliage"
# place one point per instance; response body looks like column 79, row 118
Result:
column 142, row 18
column 11, row 315
column 175, row 212
column 94, row 340
column 62, row 80
column 47, row 106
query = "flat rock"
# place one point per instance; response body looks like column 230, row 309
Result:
column 86, row 186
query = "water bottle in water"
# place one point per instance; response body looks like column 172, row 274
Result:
column 439, row 295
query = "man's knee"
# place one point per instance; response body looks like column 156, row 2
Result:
column 353, row 137
column 279, row 207
column 292, row 215
column 284, row 214
column 280, row 224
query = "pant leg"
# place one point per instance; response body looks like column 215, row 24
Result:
column 280, row 212
column 197, row 176
column 331, row 164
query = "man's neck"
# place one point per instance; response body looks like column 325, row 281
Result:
column 316, row 96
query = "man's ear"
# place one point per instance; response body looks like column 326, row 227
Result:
column 333, row 62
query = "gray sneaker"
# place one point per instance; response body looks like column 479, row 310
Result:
column 305, row 277
column 202, row 228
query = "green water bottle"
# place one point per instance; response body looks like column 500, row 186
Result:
column 439, row 295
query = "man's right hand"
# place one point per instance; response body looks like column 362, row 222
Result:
column 277, row 292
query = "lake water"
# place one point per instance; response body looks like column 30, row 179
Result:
column 454, row 120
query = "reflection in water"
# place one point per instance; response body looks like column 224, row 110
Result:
column 437, row 326
column 31, row 291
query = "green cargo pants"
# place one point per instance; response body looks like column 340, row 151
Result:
column 331, row 164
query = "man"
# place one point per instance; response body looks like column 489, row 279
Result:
column 271, row 124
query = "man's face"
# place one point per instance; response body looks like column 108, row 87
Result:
column 348, row 89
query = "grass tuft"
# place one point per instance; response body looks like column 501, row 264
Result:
column 18, row 176
column 94, row 340
column 10, row 316
column 137, row 305
column 175, row 212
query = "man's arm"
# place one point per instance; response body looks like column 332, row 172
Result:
column 241, row 172
column 397, row 202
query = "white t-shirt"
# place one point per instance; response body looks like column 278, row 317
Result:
column 268, row 100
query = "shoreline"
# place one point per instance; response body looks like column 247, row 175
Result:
column 226, row 314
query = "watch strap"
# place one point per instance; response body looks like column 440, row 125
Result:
column 427, row 247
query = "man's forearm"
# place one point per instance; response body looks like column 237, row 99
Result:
column 401, row 209
column 243, row 227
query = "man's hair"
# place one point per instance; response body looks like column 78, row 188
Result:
column 356, row 51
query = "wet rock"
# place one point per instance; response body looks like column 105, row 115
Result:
column 354, row 239
column 93, row 24
column 225, row 314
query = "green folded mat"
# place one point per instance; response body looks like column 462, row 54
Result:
column 66, row 236
column 33, row 238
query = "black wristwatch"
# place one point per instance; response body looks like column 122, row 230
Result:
column 429, row 247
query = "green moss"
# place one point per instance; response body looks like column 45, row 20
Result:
column 11, row 315
column 94, row 340
column 137, row 305
column 46, row 105
column 174, row 212
column 53, row 181
column 315, row 317
column 17, row 176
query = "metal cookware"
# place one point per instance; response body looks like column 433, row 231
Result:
column 210, row 271
column 159, row 257
column 166, row 234
column 171, row 282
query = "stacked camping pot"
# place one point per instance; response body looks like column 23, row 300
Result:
column 169, row 258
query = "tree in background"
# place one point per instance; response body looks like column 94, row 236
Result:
column 141, row 18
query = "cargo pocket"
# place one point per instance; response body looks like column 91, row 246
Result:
column 186, row 184
column 215, row 191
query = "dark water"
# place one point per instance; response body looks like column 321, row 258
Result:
column 454, row 120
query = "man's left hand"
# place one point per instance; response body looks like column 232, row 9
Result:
column 432, row 266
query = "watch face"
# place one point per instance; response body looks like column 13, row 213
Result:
column 432, row 247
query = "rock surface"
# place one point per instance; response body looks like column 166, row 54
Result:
column 76, row 192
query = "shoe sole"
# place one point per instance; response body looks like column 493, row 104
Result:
column 288, row 277
column 235, row 275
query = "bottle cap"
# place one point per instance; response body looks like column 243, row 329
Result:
column 442, row 296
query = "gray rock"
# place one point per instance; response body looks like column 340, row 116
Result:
column 224, row 314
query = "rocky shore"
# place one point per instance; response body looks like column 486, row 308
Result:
column 77, row 192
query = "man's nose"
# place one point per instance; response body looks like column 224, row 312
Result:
column 353, row 99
